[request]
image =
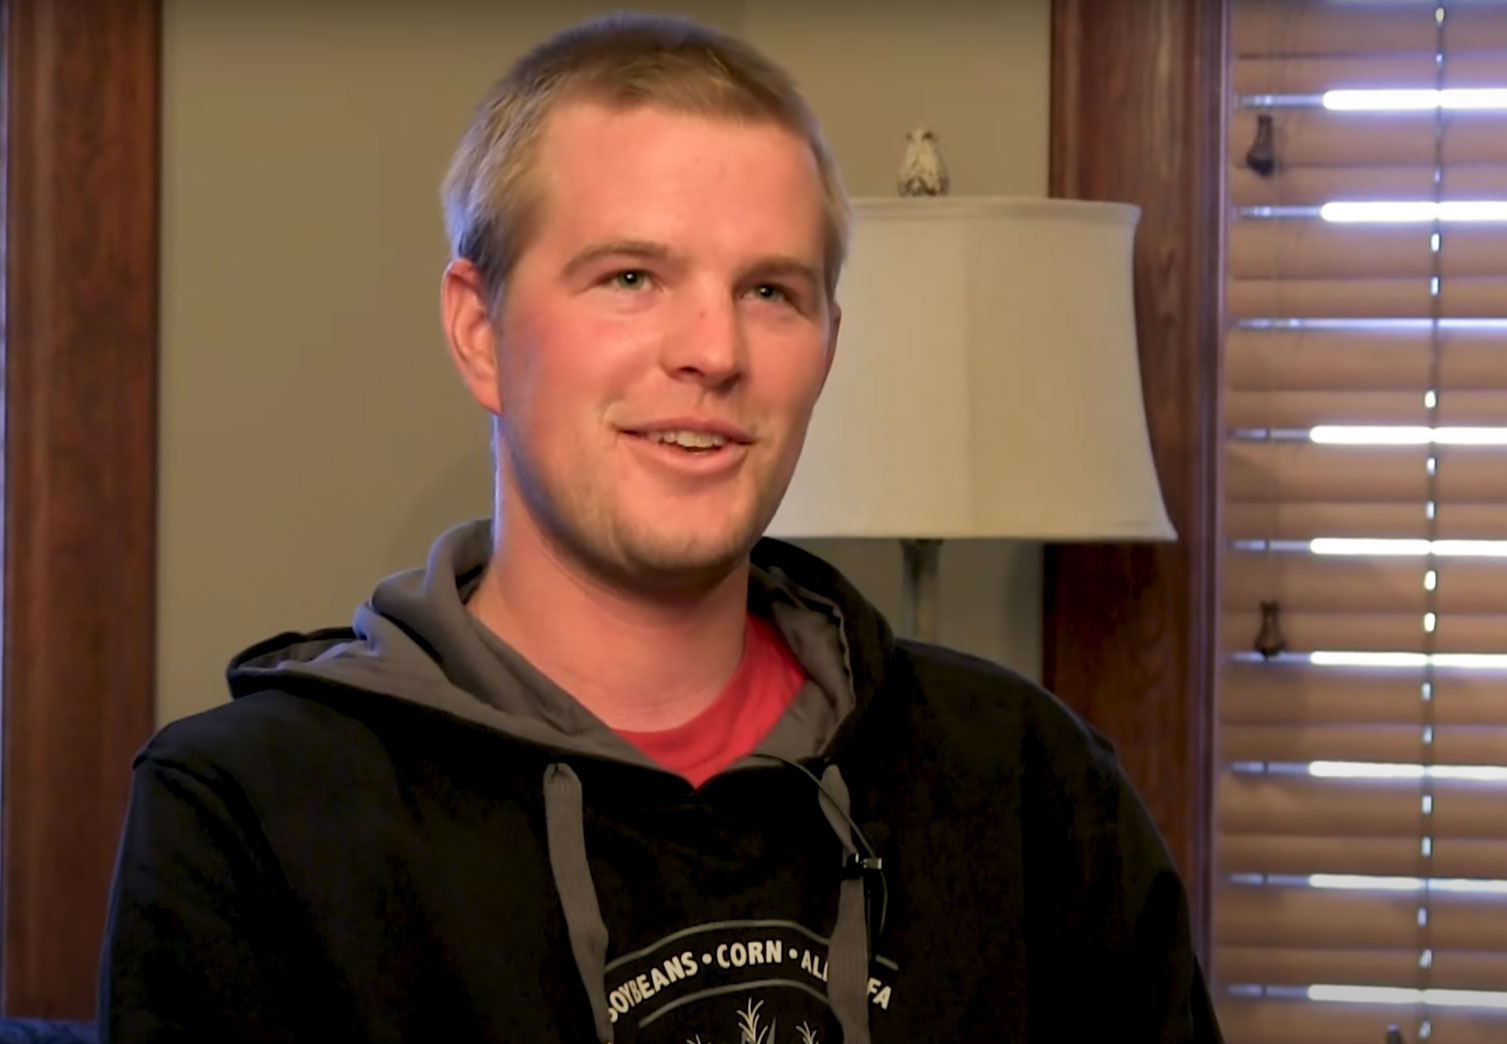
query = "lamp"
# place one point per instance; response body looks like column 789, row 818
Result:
column 986, row 385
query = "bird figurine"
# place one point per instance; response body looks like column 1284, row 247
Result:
column 922, row 172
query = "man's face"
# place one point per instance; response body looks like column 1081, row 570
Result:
column 663, row 338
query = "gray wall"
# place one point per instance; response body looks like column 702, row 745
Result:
column 314, row 436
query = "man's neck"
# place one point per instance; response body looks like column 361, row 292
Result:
column 640, row 665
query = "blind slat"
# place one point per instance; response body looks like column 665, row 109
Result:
column 1288, row 693
column 1372, row 632
column 1270, row 27
column 1322, row 918
column 1317, row 249
column 1309, row 806
column 1312, row 186
column 1305, row 471
column 1315, row 137
column 1390, row 744
column 1308, row 409
column 1314, row 74
column 1465, row 297
column 1473, row 26
column 1364, row 359
column 1306, row 27
column 1274, row 965
column 1385, row 857
column 1277, row 1021
column 1304, row 582
column 1266, row 471
column 1298, row 1022
column 1252, row 520
column 1465, row 1027
column 1300, row 410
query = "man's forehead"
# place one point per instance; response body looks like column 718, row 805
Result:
column 585, row 138
column 586, row 120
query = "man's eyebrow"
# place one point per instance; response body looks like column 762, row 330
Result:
column 642, row 249
column 787, row 266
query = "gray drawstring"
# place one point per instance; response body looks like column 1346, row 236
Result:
column 848, row 952
column 566, row 830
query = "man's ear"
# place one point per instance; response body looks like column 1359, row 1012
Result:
column 470, row 332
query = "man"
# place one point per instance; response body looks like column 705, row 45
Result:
column 611, row 767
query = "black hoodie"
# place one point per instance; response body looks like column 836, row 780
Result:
column 403, row 832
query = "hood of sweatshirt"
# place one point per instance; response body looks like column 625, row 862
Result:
column 414, row 640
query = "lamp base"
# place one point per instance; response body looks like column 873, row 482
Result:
column 919, row 619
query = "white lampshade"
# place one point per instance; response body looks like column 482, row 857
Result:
column 986, row 382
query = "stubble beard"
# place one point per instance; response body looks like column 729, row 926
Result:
column 586, row 527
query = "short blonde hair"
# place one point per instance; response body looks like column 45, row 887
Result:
column 622, row 60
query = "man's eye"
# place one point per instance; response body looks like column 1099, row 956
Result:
column 630, row 279
column 771, row 292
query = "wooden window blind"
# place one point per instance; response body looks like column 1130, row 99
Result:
column 1361, row 812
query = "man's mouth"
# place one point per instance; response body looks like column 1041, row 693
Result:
column 692, row 436
column 694, row 441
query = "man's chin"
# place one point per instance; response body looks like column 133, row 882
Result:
column 686, row 568
column 686, row 563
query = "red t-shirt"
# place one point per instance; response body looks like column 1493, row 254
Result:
column 767, row 679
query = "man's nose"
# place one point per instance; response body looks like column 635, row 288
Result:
column 708, row 346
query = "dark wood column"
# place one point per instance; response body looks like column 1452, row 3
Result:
column 80, row 449
column 1137, row 96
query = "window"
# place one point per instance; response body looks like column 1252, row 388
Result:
column 1361, row 811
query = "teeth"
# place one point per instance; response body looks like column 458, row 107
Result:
column 690, row 439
